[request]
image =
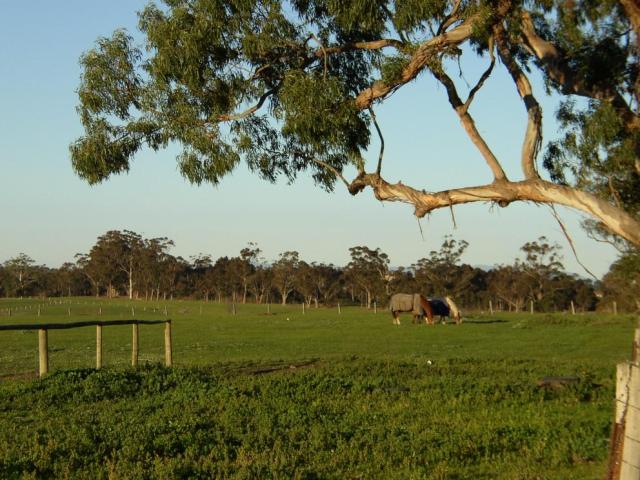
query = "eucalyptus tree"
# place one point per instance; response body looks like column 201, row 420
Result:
column 369, row 270
column 250, row 260
column 509, row 284
column 305, row 283
column 287, row 86
column 19, row 274
column 124, row 250
column 203, row 276
column 441, row 273
column 260, row 282
column 152, row 259
column 622, row 282
column 71, row 280
column 328, row 282
column 284, row 271
column 543, row 266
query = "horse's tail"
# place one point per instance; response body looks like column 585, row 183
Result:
column 455, row 312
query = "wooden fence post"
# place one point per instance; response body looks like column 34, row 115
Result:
column 134, row 346
column 573, row 308
column 531, row 306
column 490, row 307
column 624, row 454
column 168, row 360
column 303, row 307
column 339, row 312
column 98, row 346
column 375, row 307
column 43, row 352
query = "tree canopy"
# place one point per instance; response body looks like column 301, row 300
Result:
column 287, row 86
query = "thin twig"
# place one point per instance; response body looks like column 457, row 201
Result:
column 375, row 122
column 554, row 212
column 453, row 216
column 251, row 110
column 332, row 170
column 420, row 227
column 483, row 78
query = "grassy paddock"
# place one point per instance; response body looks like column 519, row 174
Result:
column 318, row 395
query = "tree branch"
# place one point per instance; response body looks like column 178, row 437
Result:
column 371, row 45
column 468, row 122
column 555, row 214
column 632, row 9
column 375, row 122
column 451, row 18
column 332, row 170
column 533, row 190
column 483, row 78
column 554, row 63
column 533, row 135
column 420, row 59
column 239, row 116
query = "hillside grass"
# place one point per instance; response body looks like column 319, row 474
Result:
column 318, row 395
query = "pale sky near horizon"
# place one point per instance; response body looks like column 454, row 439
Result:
column 50, row 214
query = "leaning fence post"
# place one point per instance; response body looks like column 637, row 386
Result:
column 168, row 360
column 98, row 346
column 134, row 346
column 43, row 351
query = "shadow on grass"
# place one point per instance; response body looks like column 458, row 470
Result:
column 480, row 322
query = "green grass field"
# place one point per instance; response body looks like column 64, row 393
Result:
column 319, row 395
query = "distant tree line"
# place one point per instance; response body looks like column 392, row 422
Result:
column 123, row 263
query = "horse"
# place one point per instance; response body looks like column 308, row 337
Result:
column 417, row 304
column 445, row 307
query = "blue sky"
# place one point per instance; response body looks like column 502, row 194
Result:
column 50, row 214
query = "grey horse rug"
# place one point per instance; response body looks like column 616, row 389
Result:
column 405, row 302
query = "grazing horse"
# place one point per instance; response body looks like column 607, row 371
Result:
column 418, row 305
column 444, row 307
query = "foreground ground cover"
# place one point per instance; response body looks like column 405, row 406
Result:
column 318, row 395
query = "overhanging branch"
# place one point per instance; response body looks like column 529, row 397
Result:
column 532, row 190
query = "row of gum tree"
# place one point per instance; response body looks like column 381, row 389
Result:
column 123, row 263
